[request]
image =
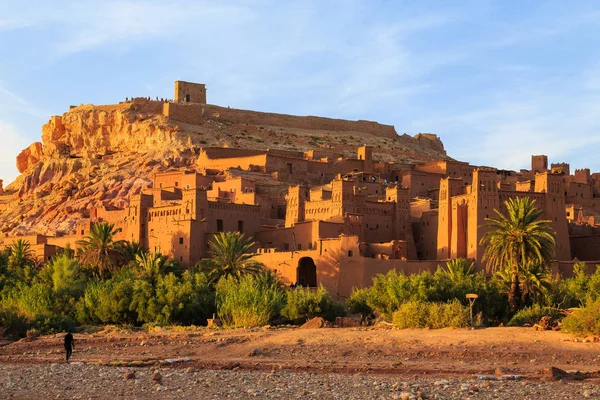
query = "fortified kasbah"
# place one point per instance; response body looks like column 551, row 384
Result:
column 327, row 201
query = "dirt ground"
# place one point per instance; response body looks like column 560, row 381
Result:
column 435, row 353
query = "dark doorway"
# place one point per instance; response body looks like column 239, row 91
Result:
column 187, row 98
column 306, row 273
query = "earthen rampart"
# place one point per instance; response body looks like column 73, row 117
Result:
column 200, row 113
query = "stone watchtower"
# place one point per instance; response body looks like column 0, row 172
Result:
column 189, row 92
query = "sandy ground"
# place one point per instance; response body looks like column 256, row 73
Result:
column 414, row 356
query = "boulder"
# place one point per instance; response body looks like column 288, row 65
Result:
column 315, row 323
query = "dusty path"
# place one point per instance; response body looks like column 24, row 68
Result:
column 440, row 353
column 411, row 357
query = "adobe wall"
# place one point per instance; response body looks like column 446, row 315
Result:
column 575, row 191
column 31, row 239
column 65, row 241
column 181, row 180
column 565, row 268
column 190, row 92
column 340, row 267
column 198, row 113
column 248, row 163
column 425, row 231
column 231, row 214
column 421, row 183
column 585, row 248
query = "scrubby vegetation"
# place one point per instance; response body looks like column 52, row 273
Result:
column 434, row 315
column 306, row 303
column 109, row 282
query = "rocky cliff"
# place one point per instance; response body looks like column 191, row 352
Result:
column 95, row 156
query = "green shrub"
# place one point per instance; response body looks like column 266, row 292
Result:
column 358, row 302
column 306, row 303
column 186, row 300
column 434, row 315
column 15, row 325
column 583, row 321
column 107, row 302
column 29, row 301
column 412, row 314
column 532, row 315
column 248, row 300
column 51, row 324
column 447, row 315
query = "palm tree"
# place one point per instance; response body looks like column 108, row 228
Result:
column 152, row 265
column 131, row 250
column 230, row 256
column 99, row 251
column 458, row 269
column 21, row 255
column 536, row 284
column 518, row 241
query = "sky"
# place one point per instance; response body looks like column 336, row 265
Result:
column 498, row 81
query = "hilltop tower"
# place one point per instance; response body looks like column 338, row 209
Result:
column 189, row 92
column 365, row 153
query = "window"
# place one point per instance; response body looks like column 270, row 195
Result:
column 241, row 226
column 286, row 246
column 176, row 184
column 219, row 225
column 289, row 168
column 350, row 253
column 180, row 240
column 299, row 247
column 310, row 246
column 181, row 258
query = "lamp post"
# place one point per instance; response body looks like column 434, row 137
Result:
column 471, row 297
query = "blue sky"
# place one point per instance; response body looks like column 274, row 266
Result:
column 496, row 80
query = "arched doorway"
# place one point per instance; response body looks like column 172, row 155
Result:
column 306, row 273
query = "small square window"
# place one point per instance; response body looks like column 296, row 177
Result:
column 350, row 253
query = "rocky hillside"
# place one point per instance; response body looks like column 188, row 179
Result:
column 99, row 155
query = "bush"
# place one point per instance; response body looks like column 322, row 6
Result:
column 249, row 300
column 358, row 302
column 107, row 302
column 306, row 303
column 51, row 324
column 532, row 315
column 29, row 301
column 186, row 300
column 412, row 314
column 584, row 321
column 14, row 325
column 421, row 314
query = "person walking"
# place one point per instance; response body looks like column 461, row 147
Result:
column 69, row 345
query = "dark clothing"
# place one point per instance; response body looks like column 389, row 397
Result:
column 69, row 344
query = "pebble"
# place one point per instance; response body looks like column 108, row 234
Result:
column 106, row 383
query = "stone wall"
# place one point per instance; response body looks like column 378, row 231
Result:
column 199, row 113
